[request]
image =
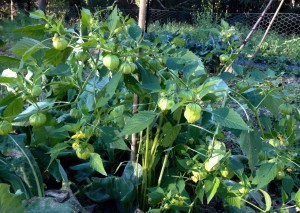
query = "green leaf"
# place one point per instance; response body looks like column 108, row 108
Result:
column 268, row 200
column 224, row 24
column 108, row 91
column 23, row 162
column 134, row 86
column 48, row 205
column 54, row 151
column 86, row 17
column 251, row 144
column 9, row 61
column 211, row 186
column 112, row 20
column 297, row 198
column 60, row 70
column 32, row 30
column 96, row 163
column 265, row 174
column 38, row 14
column 55, row 57
column 10, row 203
column 212, row 85
column 133, row 172
column 135, row 32
column 7, row 80
column 272, row 101
column 139, row 122
column 228, row 118
column 111, row 137
column 26, row 47
column 13, row 109
column 169, row 134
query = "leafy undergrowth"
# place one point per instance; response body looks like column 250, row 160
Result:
column 207, row 139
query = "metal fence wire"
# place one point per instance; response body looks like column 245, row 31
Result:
column 285, row 23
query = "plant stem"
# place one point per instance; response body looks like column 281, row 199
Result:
column 163, row 168
column 155, row 142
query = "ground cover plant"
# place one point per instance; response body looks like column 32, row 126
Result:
column 228, row 140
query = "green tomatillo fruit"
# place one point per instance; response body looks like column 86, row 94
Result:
column 36, row 91
column 165, row 104
column 126, row 68
column 242, row 86
column 5, row 127
column 285, row 109
column 38, row 119
column 111, row 61
column 192, row 112
column 224, row 58
column 84, row 151
column 75, row 113
column 59, row 43
column 82, row 56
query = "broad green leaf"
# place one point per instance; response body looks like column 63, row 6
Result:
column 212, row 85
column 268, row 200
column 32, row 109
column 265, row 174
column 272, row 101
column 112, row 20
column 288, row 184
column 133, row 172
column 10, row 203
column 156, row 195
column 169, row 134
column 38, row 14
column 48, row 205
column 111, row 137
column 23, row 162
column 134, row 86
column 32, row 30
column 228, row 118
column 224, row 24
column 139, row 122
column 26, row 47
column 108, row 91
column 135, row 32
column 297, row 198
column 8, row 175
column 9, row 61
column 86, row 17
column 211, row 186
column 60, row 70
column 251, row 144
column 154, row 211
column 218, row 153
column 54, row 151
column 96, row 163
column 55, row 57
column 7, row 80
column 13, row 109
column 233, row 200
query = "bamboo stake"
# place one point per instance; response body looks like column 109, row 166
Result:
column 266, row 32
column 141, row 23
column 251, row 32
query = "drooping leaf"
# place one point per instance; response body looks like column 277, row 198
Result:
column 13, row 109
column 135, row 32
column 268, row 200
column 108, row 91
column 228, row 118
column 169, row 134
column 265, row 174
column 133, row 172
column 10, row 203
column 96, row 163
column 38, row 14
column 111, row 137
column 86, row 17
column 23, row 162
column 211, row 187
column 55, row 57
column 272, row 101
column 26, row 47
column 139, row 122
column 32, row 30
column 251, row 144
column 9, row 61
column 112, row 20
